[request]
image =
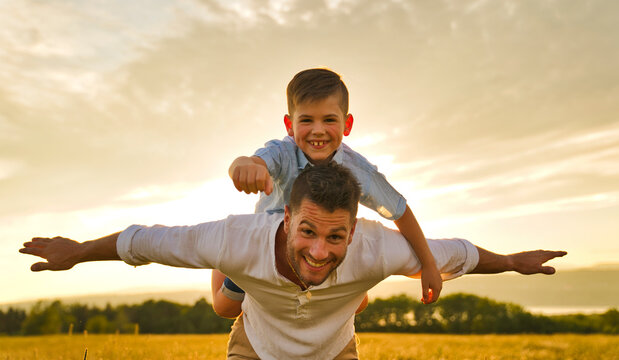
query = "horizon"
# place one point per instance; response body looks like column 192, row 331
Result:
column 497, row 121
column 205, row 285
column 520, row 293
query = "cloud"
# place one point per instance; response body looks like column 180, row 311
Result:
column 542, row 174
column 8, row 168
column 99, row 101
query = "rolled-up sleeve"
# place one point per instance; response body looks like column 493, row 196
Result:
column 123, row 246
column 381, row 197
column 454, row 257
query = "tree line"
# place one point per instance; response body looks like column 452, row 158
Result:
column 150, row 317
column 470, row 314
column 456, row 314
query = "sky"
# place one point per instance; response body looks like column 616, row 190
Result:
column 497, row 120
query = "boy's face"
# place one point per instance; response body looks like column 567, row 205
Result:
column 318, row 127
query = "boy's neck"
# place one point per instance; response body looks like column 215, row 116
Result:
column 320, row 162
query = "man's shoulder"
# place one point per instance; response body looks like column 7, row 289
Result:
column 253, row 228
column 257, row 220
column 369, row 228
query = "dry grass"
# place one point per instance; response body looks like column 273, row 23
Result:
column 488, row 347
column 372, row 347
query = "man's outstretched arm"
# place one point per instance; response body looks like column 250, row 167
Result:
column 526, row 262
column 62, row 253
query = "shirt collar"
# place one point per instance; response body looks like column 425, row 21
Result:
column 303, row 162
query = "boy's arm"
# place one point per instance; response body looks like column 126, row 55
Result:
column 431, row 281
column 62, row 253
column 251, row 175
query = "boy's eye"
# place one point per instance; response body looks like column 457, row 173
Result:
column 330, row 120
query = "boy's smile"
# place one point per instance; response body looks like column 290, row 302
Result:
column 318, row 127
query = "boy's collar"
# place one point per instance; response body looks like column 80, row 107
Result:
column 303, row 162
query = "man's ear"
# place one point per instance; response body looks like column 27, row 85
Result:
column 352, row 231
column 348, row 125
column 287, row 217
column 288, row 123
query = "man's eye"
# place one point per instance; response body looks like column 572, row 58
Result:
column 305, row 120
column 307, row 232
column 335, row 238
column 330, row 120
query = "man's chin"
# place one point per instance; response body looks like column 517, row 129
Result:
column 316, row 280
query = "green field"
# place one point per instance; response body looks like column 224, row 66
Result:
column 372, row 347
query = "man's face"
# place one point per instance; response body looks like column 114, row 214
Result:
column 317, row 240
column 318, row 127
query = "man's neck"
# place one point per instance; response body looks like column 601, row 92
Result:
column 281, row 257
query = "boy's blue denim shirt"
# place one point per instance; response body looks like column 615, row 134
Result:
column 285, row 161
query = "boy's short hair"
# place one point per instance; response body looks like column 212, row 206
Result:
column 313, row 85
column 331, row 186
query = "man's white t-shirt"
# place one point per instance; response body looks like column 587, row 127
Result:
column 281, row 321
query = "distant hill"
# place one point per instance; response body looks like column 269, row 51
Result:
column 583, row 288
column 590, row 288
column 126, row 297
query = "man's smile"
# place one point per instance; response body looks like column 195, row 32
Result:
column 315, row 266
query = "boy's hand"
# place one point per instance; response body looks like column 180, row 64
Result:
column 251, row 175
column 431, row 284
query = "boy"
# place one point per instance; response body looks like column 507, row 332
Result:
column 317, row 121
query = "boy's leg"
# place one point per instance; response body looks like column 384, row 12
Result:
column 226, row 302
column 239, row 346
column 350, row 351
column 363, row 305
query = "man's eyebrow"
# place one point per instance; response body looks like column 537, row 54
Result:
column 308, row 223
column 332, row 231
column 338, row 229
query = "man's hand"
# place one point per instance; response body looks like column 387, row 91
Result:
column 526, row 262
column 532, row 262
column 431, row 284
column 60, row 253
column 251, row 175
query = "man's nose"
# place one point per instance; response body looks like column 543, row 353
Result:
column 318, row 250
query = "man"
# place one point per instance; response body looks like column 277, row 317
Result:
column 304, row 271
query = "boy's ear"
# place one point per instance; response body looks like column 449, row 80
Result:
column 288, row 123
column 348, row 125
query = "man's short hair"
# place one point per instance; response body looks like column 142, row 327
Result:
column 331, row 186
column 316, row 84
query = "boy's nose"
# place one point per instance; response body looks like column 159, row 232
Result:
column 318, row 128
